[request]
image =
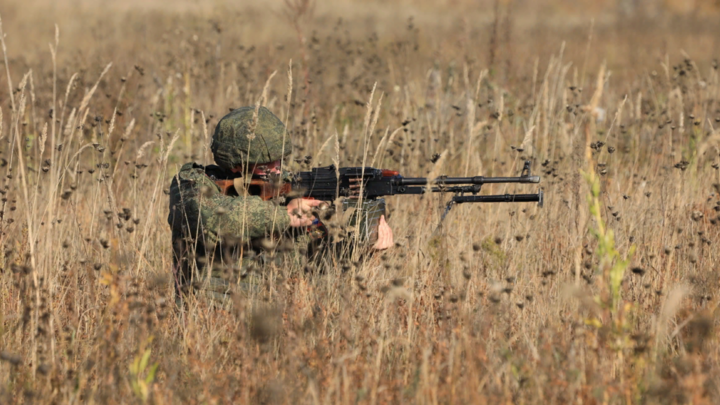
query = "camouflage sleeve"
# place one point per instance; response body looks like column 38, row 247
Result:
column 196, row 204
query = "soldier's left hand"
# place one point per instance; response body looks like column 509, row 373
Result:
column 385, row 235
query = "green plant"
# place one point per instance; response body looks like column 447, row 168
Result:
column 612, row 264
column 142, row 377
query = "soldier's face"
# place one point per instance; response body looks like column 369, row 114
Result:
column 263, row 169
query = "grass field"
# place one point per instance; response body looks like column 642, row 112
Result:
column 606, row 295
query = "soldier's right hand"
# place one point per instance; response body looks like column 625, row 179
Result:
column 300, row 211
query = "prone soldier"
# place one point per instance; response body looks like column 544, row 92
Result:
column 217, row 237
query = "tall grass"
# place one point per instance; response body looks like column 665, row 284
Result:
column 605, row 295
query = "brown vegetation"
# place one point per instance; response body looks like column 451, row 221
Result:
column 608, row 294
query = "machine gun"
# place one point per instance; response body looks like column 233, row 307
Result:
column 330, row 182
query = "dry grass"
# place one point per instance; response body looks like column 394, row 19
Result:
column 511, row 304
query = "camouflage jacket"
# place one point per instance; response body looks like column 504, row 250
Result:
column 227, row 235
column 211, row 230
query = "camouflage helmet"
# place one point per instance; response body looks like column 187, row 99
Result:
column 233, row 144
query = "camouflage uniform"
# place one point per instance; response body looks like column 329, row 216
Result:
column 211, row 230
column 215, row 230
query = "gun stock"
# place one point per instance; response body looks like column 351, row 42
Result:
column 262, row 188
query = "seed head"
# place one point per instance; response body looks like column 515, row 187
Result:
column 638, row 271
column 264, row 325
column 11, row 358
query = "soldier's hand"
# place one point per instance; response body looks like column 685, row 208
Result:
column 300, row 211
column 385, row 235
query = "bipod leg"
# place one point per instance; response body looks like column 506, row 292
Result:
column 448, row 207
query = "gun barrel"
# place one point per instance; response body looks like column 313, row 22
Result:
column 500, row 198
column 422, row 181
column 521, row 179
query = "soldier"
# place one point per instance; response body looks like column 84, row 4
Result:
column 224, row 234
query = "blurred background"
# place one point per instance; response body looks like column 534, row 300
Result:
column 439, row 21
column 508, row 37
